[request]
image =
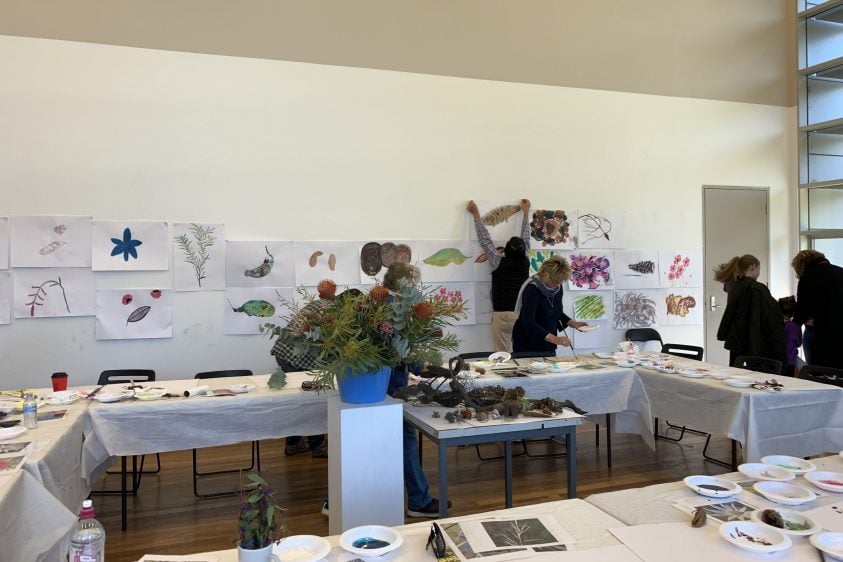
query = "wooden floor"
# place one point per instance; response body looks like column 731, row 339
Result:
column 165, row 517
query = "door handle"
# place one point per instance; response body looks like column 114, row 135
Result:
column 712, row 303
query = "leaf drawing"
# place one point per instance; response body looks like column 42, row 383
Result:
column 446, row 256
column 138, row 314
column 500, row 215
column 40, row 295
column 197, row 255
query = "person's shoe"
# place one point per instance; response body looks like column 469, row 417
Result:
column 430, row 510
column 299, row 447
column 325, row 511
column 321, row 452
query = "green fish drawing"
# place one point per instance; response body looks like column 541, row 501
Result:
column 254, row 308
column 446, row 256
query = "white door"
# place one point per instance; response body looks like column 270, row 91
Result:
column 735, row 222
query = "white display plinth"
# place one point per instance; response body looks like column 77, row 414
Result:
column 365, row 464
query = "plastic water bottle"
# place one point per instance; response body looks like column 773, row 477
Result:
column 30, row 411
column 87, row 543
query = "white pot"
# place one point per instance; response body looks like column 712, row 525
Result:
column 260, row 555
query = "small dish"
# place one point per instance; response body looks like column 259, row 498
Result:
column 829, row 543
column 385, row 539
column 762, row 471
column 627, row 362
column 148, row 395
column 301, row 548
column 691, row 374
column 7, row 406
column 603, row 355
column 721, row 375
column 712, row 486
column 739, row 382
column 831, row 481
column 666, row 370
column 462, row 375
column 500, row 357
column 589, row 328
column 539, row 366
column 754, row 536
column 563, row 367
column 62, row 398
column 793, row 464
column 783, row 493
column 795, row 523
column 11, row 432
column 241, row 388
column 108, row 397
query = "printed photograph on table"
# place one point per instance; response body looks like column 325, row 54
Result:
column 246, row 309
column 51, row 292
column 377, row 255
column 447, row 260
column 635, row 309
column 50, row 241
column 11, row 448
column 637, row 269
column 5, row 297
column 681, row 269
column 591, row 306
column 128, row 314
column 456, row 292
column 600, row 229
column 553, row 228
column 502, row 218
column 199, row 256
column 338, row 261
column 679, row 307
column 130, row 246
column 591, row 270
column 4, row 242
column 11, row 464
column 483, row 302
column 259, row 264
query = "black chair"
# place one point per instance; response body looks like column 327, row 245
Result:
column 643, row 335
column 688, row 352
column 256, row 449
column 760, row 364
column 823, row 375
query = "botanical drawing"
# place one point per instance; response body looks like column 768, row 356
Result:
column 254, row 307
column 196, row 250
column 374, row 256
column 594, row 227
column 500, row 215
column 634, row 309
column 589, row 307
column 538, row 257
column 676, row 274
column 457, row 536
column 139, row 313
column 518, row 532
column 550, row 227
column 643, row 267
column 679, row 305
column 127, row 246
column 588, row 271
column 40, row 295
column 263, row 269
column 445, row 257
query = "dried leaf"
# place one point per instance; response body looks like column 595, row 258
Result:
column 138, row 314
column 500, row 215
column 699, row 518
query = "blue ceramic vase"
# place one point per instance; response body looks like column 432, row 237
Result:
column 364, row 388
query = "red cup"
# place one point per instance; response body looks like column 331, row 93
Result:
column 59, row 381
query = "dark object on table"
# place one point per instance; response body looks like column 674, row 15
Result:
column 9, row 423
column 436, row 541
column 434, row 371
column 773, row 518
column 699, row 518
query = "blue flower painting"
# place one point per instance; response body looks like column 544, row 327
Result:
column 126, row 246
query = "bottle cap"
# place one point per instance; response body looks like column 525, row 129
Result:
column 87, row 510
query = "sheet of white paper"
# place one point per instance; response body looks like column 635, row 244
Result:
column 246, row 309
column 375, row 256
column 600, row 229
column 592, row 306
column 635, row 309
column 501, row 533
column 591, row 270
column 553, row 228
column 680, row 269
column 501, row 217
column 259, row 264
column 723, row 510
column 130, row 246
column 829, row 517
column 679, row 307
column 481, row 265
column 483, row 303
column 4, row 242
column 199, row 256
column 46, row 292
column 447, row 260
column 124, row 314
column 637, row 270
column 616, row 553
column 50, row 241
column 537, row 257
column 5, row 297
column 595, row 339
column 459, row 291
column 337, row 261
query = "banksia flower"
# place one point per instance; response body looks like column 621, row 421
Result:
column 379, row 293
column 326, row 289
column 423, row 310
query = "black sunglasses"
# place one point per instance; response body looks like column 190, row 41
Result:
column 436, row 541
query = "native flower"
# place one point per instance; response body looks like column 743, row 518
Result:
column 126, row 246
column 589, row 271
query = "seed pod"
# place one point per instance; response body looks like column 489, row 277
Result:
column 699, row 518
column 314, row 257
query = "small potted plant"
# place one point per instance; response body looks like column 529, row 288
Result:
column 259, row 525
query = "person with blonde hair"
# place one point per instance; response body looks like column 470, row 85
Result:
column 752, row 323
column 539, row 308
column 819, row 296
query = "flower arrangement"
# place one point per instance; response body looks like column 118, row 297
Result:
column 258, row 525
column 356, row 332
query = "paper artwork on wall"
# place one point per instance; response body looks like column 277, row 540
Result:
column 337, row 261
column 594, row 339
column 246, row 309
column 591, row 306
column 681, row 269
column 50, row 241
column 447, row 260
column 199, row 256
column 130, row 246
column 259, row 264
column 452, row 292
column 637, row 270
column 125, row 314
column 635, row 309
column 483, row 302
column 537, row 257
column 680, row 307
column 5, row 297
column 50, row 292
column 591, row 270
column 377, row 255
column 554, row 228
column 4, row 242
column 501, row 218
column 600, row 229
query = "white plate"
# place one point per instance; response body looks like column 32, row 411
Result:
column 739, row 383
column 62, row 398
column 241, row 388
column 830, row 543
column 107, row 397
column 691, row 374
column 754, row 537
column 11, row 432
column 589, row 328
column 379, row 532
column 793, row 464
column 539, row 366
column 563, row 367
column 784, row 493
column 667, row 370
column 603, row 355
column 712, row 486
column 790, row 517
column 627, row 362
column 762, row 471
column 7, row 406
column 721, row 375
column 301, row 548
column 148, row 395
column 500, row 357
column 831, row 481
column 467, row 375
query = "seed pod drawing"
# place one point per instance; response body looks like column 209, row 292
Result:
column 51, row 247
column 255, row 307
column 370, row 258
column 645, row 267
column 403, row 253
column 332, row 262
column 387, row 253
column 446, row 256
column 138, row 314
column 263, row 269
column 314, row 257
column 500, row 215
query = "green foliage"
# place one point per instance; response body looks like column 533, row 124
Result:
column 259, row 525
column 278, row 379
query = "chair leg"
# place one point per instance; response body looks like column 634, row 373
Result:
column 545, row 455
column 499, row 457
column 732, row 465
column 256, row 461
column 136, row 479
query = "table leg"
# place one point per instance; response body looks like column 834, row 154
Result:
column 443, row 480
column 507, row 472
column 609, row 439
column 571, row 446
column 123, row 493
column 734, row 455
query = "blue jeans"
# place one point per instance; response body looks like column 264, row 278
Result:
column 418, row 490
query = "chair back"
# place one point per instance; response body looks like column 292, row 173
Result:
column 649, row 338
column 760, row 364
column 824, row 375
column 115, row 376
column 681, row 350
column 224, row 373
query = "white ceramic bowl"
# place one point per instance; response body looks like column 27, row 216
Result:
column 784, row 493
column 11, row 432
column 738, row 382
column 351, row 540
column 829, row 543
column 763, row 471
column 831, row 481
column 7, row 406
column 627, row 362
column 793, row 464
column 150, row 394
column 62, row 398
column 301, row 548
column 500, row 357
column 712, row 486
column 691, row 374
column 539, row 366
column 107, row 397
column 795, row 523
column 241, row 388
column 754, row 537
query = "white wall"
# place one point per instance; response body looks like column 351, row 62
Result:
column 280, row 150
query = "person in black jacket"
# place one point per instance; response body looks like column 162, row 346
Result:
column 752, row 323
column 819, row 296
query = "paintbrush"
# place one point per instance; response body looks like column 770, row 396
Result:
column 565, row 331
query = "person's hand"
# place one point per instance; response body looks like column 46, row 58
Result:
column 558, row 340
column 577, row 325
column 525, row 206
column 472, row 208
